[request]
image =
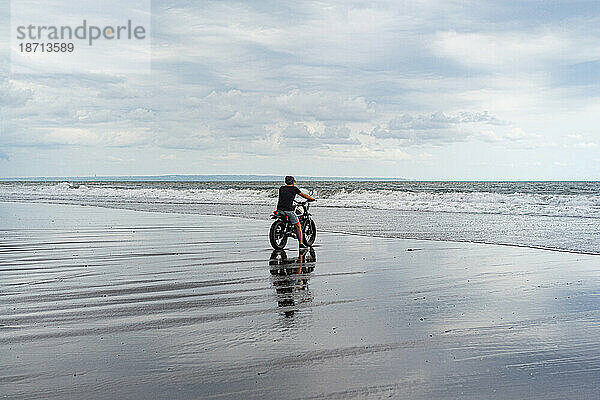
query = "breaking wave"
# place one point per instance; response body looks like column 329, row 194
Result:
column 580, row 205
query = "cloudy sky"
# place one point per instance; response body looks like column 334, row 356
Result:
column 429, row 89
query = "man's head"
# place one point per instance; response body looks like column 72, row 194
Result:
column 289, row 180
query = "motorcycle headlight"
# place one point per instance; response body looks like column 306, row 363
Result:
column 299, row 210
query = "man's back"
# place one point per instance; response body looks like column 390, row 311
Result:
column 287, row 193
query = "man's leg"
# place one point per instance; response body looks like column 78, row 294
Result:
column 299, row 232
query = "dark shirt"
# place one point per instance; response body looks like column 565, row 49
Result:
column 286, row 197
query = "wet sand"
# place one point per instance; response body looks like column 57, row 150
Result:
column 103, row 303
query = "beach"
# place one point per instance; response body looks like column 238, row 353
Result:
column 102, row 303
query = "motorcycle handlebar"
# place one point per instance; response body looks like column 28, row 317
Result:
column 304, row 202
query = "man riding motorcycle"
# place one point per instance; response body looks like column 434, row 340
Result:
column 287, row 193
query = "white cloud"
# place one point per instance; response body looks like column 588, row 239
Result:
column 515, row 50
column 11, row 95
column 95, row 115
column 90, row 137
column 506, row 50
column 442, row 128
column 363, row 153
column 71, row 136
column 586, row 145
column 324, row 106
column 345, row 79
column 517, row 134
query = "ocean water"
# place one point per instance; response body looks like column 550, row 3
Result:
column 562, row 216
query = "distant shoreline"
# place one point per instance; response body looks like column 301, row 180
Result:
column 191, row 178
column 245, row 178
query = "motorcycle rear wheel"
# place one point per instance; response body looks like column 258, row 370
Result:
column 277, row 235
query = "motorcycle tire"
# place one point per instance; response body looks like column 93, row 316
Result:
column 310, row 233
column 277, row 235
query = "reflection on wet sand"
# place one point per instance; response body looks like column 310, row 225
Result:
column 100, row 303
column 290, row 278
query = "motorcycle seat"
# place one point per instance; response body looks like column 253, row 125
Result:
column 280, row 214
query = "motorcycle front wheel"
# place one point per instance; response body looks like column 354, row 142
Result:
column 277, row 235
column 310, row 233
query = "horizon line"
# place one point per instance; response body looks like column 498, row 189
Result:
column 306, row 177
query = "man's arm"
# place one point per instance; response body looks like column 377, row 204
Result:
column 306, row 196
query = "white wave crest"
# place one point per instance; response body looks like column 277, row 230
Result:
column 565, row 205
column 470, row 202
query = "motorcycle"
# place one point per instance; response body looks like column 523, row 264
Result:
column 282, row 228
column 280, row 264
column 290, row 278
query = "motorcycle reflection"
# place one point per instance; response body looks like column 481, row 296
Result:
column 290, row 278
